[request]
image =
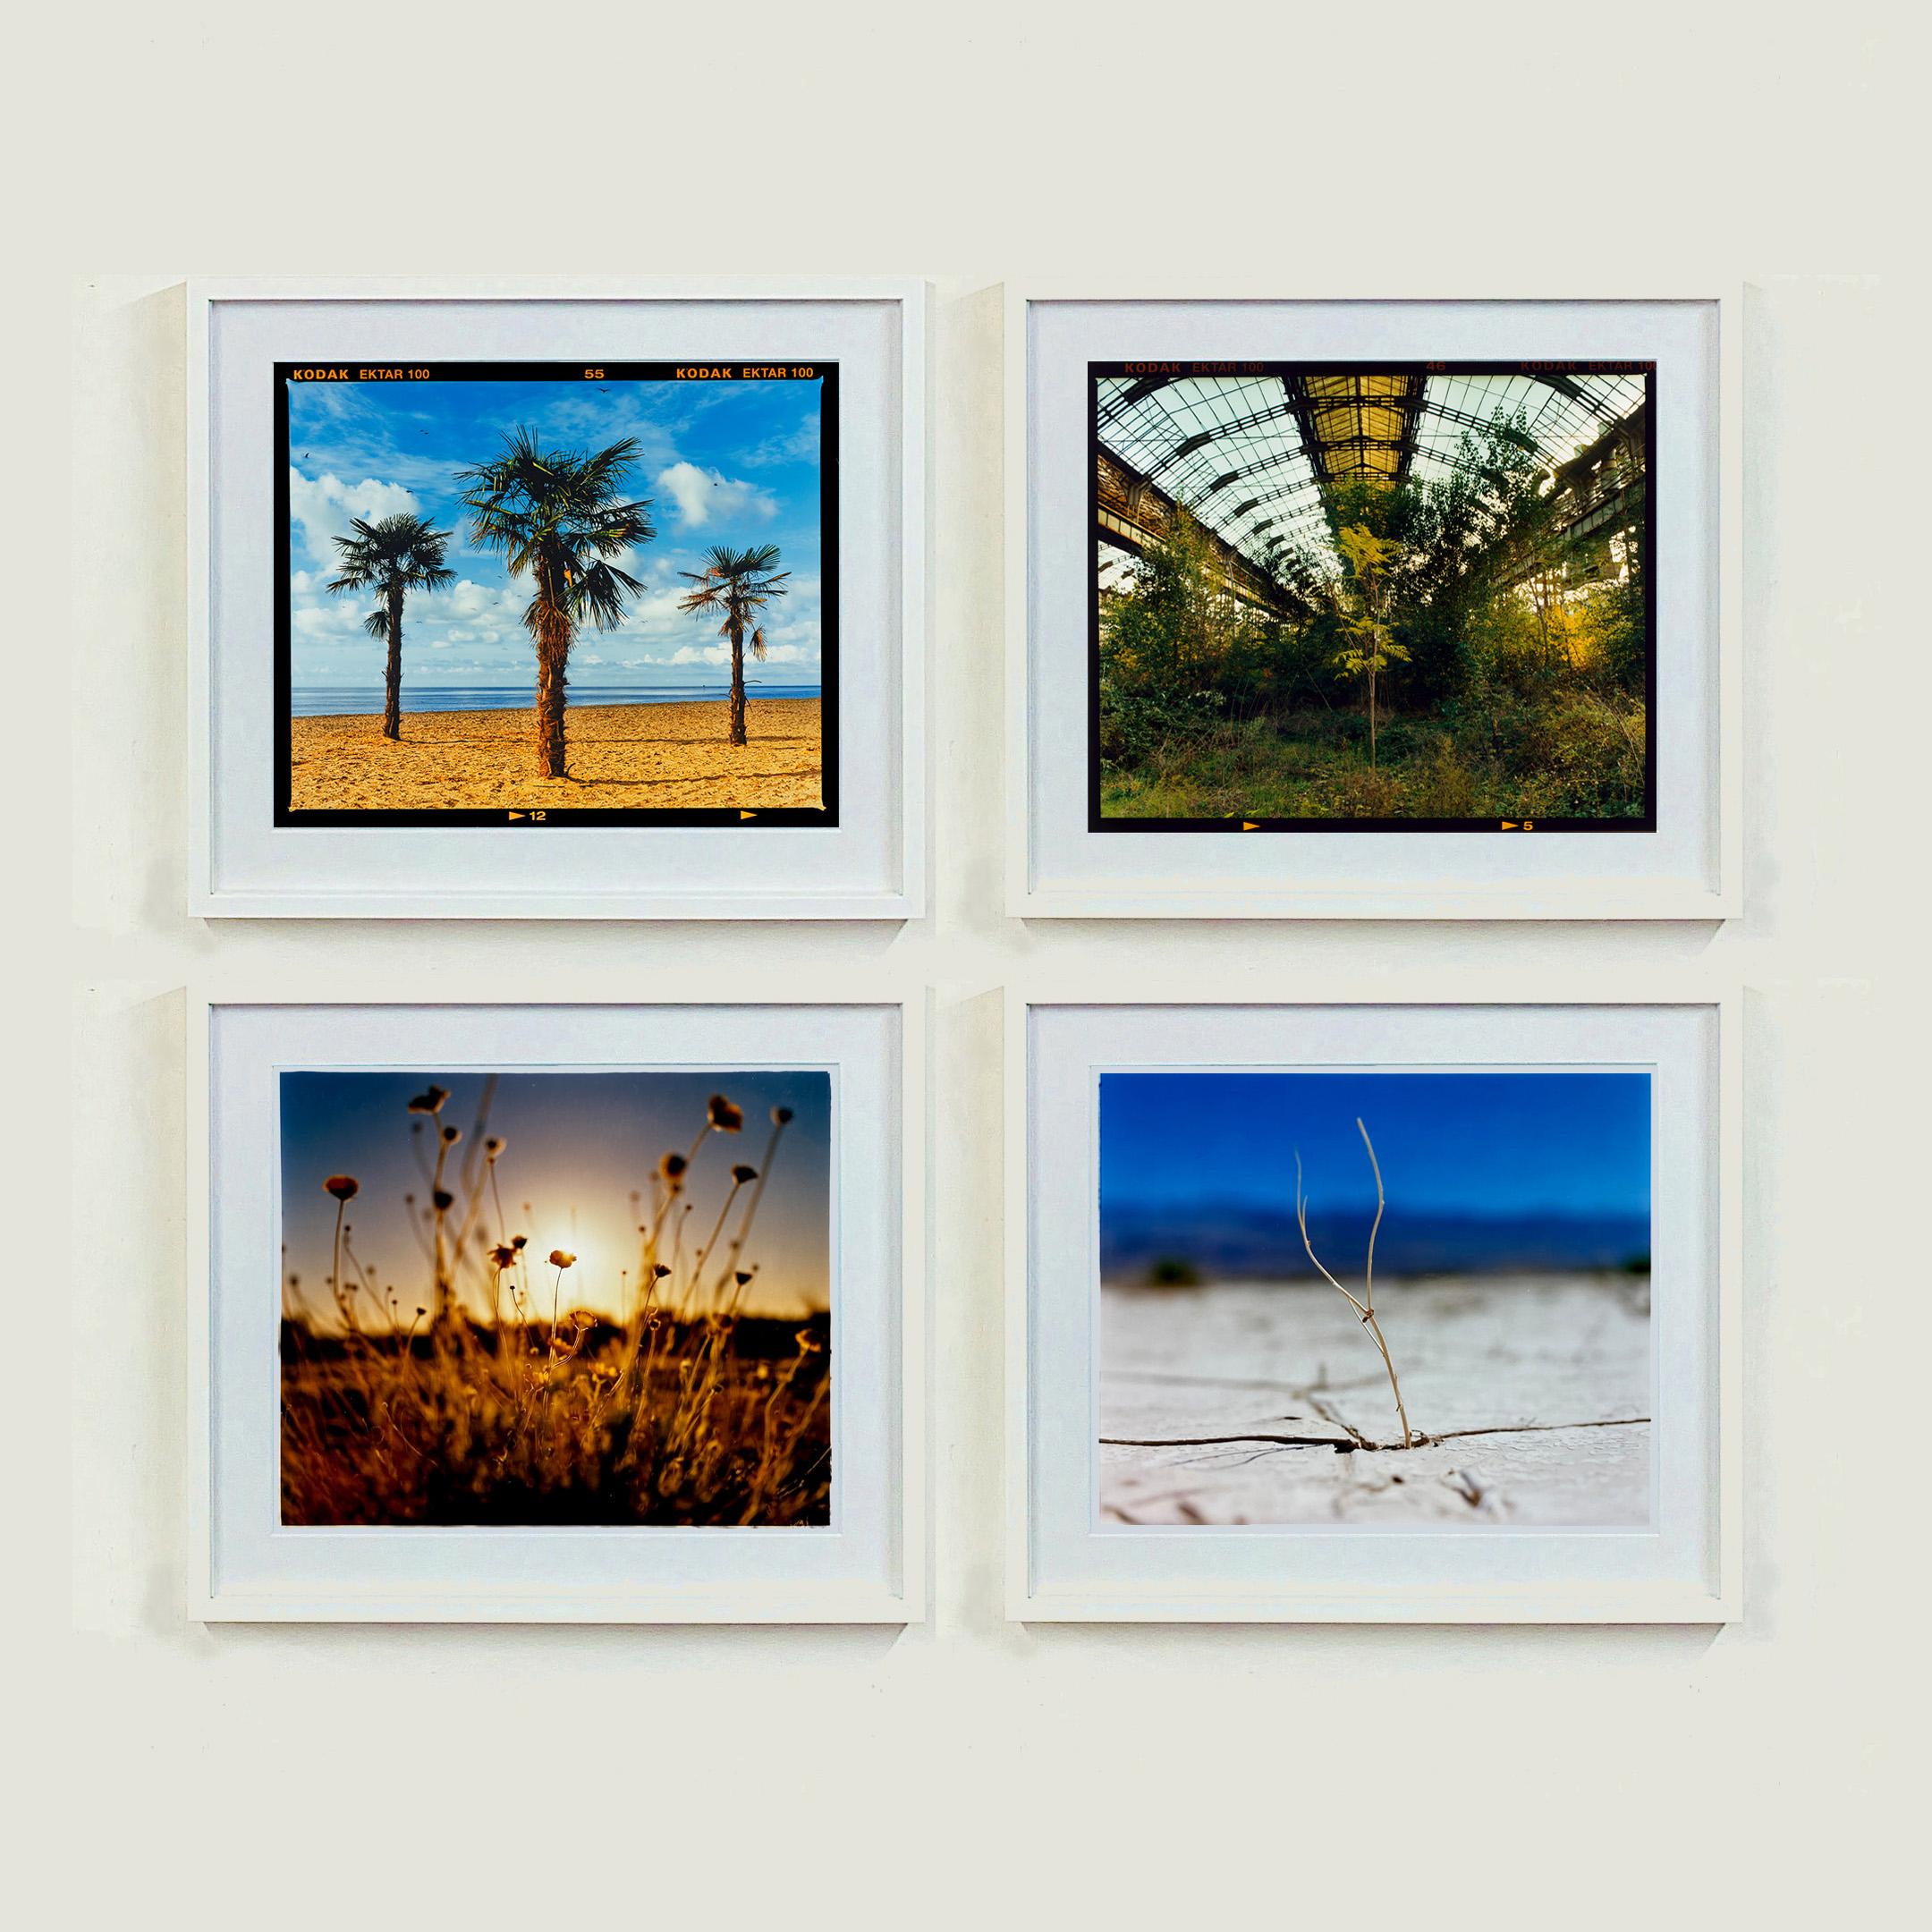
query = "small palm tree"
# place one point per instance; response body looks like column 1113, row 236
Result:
column 737, row 585
column 558, row 516
column 393, row 557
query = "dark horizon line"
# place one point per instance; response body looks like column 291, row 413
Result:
column 1283, row 1205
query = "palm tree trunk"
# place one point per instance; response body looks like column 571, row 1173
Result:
column 737, row 680
column 553, row 652
column 550, row 700
column 392, row 717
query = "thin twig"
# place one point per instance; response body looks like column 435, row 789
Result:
column 1365, row 1309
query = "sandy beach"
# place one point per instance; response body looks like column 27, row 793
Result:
column 1262, row 1402
column 647, row 756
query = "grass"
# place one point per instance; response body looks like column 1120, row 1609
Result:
column 493, row 1400
column 1581, row 756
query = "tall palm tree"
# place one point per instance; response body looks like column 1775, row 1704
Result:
column 737, row 585
column 393, row 557
column 559, row 516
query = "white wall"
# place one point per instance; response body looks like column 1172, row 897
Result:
column 971, row 1772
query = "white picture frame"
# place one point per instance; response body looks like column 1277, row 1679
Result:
column 872, row 866
column 870, row 1565
column 1061, row 1566
column 1056, row 867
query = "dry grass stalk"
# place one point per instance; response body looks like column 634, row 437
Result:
column 684, row 1411
column 1364, row 1307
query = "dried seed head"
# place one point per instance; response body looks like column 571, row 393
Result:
column 429, row 1100
column 444, row 1200
column 723, row 1116
column 452, row 1135
column 562, row 1257
column 782, row 1116
column 520, row 1242
column 741, row 1173
column 660, row 1271
column 503, row 1255
column 672, row 1167
column 341, row 1186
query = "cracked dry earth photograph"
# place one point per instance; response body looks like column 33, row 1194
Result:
column 1411, row 1300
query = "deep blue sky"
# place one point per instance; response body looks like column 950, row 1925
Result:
column 1492, row 1144
column 574, row 1147
column 728, row 462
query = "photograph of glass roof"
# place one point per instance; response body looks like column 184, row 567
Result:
column 1249, row 456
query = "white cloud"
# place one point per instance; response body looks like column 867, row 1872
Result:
column 338, row 616
column 795, row 445
column 703, row 494
column 467, row 600
column 324, row 507
column 719, row 654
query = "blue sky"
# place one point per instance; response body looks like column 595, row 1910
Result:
column 1489, row 1144
column 725, row 461
column 575, row 1145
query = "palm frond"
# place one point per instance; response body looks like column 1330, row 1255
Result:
column 403, row 551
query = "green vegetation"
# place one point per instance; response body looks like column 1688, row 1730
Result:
column 1445, row 653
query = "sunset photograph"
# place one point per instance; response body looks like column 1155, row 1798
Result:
column 530, row 1299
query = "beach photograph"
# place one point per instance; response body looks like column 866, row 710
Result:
column 1408, row 1300
column 1406, row 596
column 539, row 592
column 553, row 1299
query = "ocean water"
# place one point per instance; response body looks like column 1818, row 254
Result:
column 359, row 700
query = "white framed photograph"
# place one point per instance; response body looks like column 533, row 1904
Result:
column 1409, row 606
column 518, row 598
column 1409, row 1307
column 569, row 1312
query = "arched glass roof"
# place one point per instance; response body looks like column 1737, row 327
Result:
column 1251, row 454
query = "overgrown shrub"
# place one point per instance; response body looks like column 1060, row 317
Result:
column 1137, row 725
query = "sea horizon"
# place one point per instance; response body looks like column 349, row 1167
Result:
column 360, row 701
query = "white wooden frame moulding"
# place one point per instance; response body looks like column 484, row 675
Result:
column 1580, row 1603
column 208, row 899
column 901, row 1600
column 1506, row 899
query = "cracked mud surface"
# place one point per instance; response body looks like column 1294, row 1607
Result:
column 1263, row 1402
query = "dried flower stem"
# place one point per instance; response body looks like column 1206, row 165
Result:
column 1364, row 1308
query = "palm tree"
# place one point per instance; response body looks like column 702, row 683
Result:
column 399, row 555
column 558, row 516
column 738, row 584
